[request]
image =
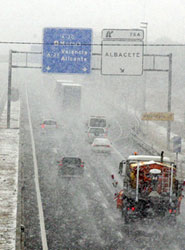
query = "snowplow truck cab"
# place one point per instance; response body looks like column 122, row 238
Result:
column 150, row 187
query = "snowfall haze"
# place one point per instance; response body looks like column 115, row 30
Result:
column 78, row 210
column 24, row 20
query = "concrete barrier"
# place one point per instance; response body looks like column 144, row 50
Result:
column 9, row 162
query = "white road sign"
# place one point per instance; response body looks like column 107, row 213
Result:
column 128, row 34
column 122, row 58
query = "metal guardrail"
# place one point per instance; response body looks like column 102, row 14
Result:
column 140, row 141
column 150, row 149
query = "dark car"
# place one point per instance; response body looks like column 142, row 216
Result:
column 71, row 167
column 49, row 123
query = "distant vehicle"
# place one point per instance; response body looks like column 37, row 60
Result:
column 71, row 167
column 68, row 94
column 97, row 122
column 150, row 188
column 101, row 145
column 49, row 123
column 93, row 133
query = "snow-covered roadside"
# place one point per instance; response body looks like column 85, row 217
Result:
column 152, row 134
column 9, row 159
column 155, row 136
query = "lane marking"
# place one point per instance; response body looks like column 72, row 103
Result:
column 55, row 150
column 88, row 175
column 98, row 194
column 104, row 205
column 111, row 218
column 119, row 235
column 39, row 202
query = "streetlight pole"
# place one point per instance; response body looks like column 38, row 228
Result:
column 144, row 25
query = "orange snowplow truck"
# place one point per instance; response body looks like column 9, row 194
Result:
column 150, row 188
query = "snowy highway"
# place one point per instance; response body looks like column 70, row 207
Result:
column 92, row 125
column 79, row 213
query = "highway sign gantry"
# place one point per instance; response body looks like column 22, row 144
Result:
column 67, row 50
column 122, row 52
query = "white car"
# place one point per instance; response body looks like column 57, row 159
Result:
column 101, row 145
column 93, row 133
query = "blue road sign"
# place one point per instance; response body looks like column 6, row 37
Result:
column 67, row 50
column 177, row 144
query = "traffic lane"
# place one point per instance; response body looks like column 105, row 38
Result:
column 79, row 200
column 135, row 231
column 139, row 231
column 94, row 201
column 31, row 222
column 60, row 210
column 45, row 166
column 99, row 179
column 51, row 203
column 91, row 199
column 84, row 240
column 150, row 232
column 49, row 183
column 29, row 218
column 44, row 162
column 100, row 205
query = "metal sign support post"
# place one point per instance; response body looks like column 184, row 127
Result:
column 176, row 159
column 9, row 89
column 11, row 66
column 144, row 25
column 171, row 184
column 169, row 99
column 176, row 147
column 169, row 70
column 137, row 182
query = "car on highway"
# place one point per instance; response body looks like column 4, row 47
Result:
column 101, row 145
column 49, row 123
column 70, row 167
column 93, row 133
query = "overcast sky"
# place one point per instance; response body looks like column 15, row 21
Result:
column 23, row 20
